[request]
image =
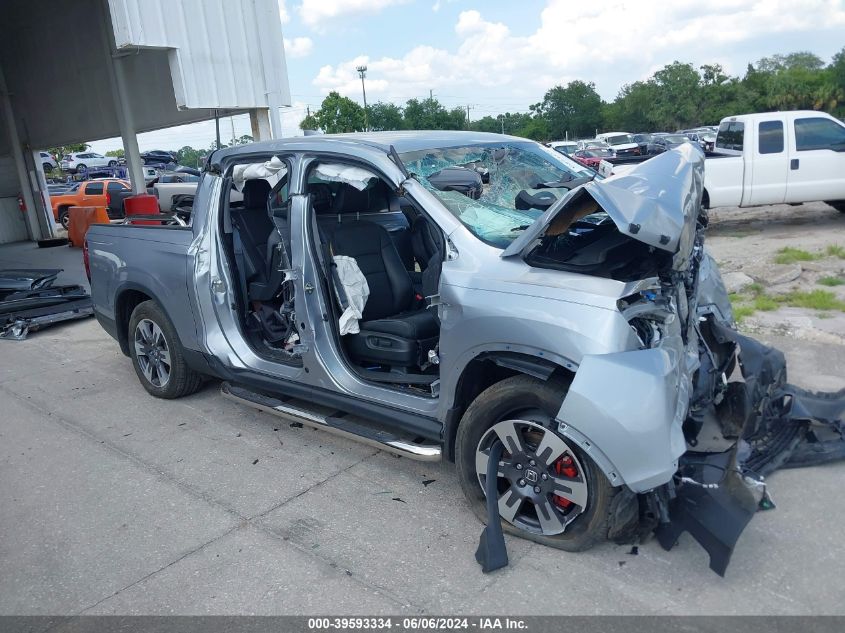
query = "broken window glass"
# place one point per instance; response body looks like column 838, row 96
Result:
column 520, row 181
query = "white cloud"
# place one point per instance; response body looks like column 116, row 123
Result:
column 298, row 47
column 315, row 12
column 607, row 42
column 284, row 16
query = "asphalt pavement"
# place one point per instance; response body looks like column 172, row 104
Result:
column 114, row 502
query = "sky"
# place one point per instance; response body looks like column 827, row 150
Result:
column 503, row 55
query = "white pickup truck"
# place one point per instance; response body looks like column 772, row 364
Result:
column 775, row 158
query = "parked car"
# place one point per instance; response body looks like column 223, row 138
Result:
column 48, row 161
column 168, row 185
column 621, row 143
column 647, row 145
column 108, row 193
column 777, row 157
column 706, row 139
column 592, row 158
column 670, row 141
column 81, row 161
column 593, row 144
column 564, row 147
column 158, row 156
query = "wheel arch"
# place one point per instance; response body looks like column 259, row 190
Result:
column 491, row 366
column 127, row 298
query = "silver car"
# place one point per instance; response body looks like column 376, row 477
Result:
column 449, row 294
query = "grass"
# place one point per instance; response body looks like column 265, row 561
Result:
column 814, row 300
column 822, row 300
column 742, row 311
column 831, row 281
column 765, row 303
column 836, row 251
column 790, row 255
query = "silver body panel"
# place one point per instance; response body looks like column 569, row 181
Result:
column 625, row 406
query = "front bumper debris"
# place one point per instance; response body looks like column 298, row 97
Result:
column 714, row 496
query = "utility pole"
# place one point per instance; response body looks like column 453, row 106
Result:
column 232, row 121
column 217, row 126
column 362, row 71
column 501, row 118
column 468, row 116
column 430, row 93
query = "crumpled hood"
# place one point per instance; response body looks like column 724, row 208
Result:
column 656, row 203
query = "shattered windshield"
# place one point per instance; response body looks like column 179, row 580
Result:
column 496, row 190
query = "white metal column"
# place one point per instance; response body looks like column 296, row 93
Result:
column 123, row 107
column 127, row 128
column 20, row 164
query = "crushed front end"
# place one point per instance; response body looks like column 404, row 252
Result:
column 700, row 414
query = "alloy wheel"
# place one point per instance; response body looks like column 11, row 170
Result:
column 152, row 352
column 541, row 483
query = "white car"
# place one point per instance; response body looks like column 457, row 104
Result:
column 564, row 147
column 622, row 143
column 47, row 161
column 87, row 160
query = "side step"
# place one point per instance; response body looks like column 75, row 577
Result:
column 335, row 422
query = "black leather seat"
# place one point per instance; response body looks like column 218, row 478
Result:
column 260, row 239
column 396, row 330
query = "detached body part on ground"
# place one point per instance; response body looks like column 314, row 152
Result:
column 516, row 301
column 29, row 302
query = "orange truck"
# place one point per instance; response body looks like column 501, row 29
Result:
column 106, row 192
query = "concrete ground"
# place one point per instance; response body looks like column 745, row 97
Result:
column 114, row 502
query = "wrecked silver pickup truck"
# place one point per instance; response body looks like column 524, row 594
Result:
column 566, row 340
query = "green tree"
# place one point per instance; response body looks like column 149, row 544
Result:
column 678, row 96
column 574, row 110
column 64, row 150
column 429, row 114
column 385, row 116
column 189, row 156
column 336, row 114
column 116, row 153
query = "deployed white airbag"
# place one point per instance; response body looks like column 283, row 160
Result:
column 270, row 170
column 354, row 286
column 336, row 172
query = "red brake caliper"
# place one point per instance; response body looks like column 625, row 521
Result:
column 564, row 466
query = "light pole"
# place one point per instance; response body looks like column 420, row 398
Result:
column 362, row 71
column 501, row 118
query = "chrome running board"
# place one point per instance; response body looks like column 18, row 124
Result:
column 337, row 423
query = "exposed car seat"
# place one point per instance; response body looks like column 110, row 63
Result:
column 372, row 204
column 259, row 241
column 396, row 330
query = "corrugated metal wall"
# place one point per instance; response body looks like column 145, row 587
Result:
column 215, row 47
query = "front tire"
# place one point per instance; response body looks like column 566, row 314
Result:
column 112, row 163
column 64, row 217
column 568, row 502
column 157, row 355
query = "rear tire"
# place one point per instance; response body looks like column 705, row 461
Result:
column 64, row 218
column 157, row 355
column 80, row 167
column 112, row 163
column 527, row 398
column 839, row 205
